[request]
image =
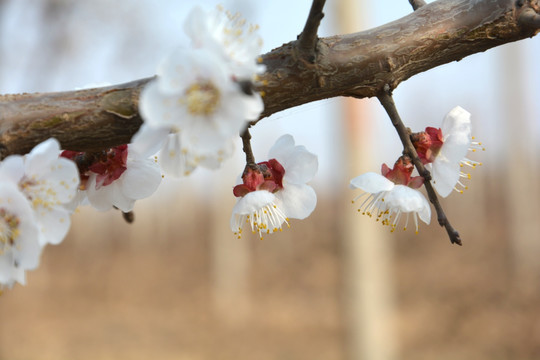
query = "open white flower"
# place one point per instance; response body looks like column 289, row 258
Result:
column 194, row 97
column 443, row 151
column 49, row 182
column 275, row 191
column 388, row 202
column 19, row 235
column 228, row 35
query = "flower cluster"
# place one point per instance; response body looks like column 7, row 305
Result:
column 198, row 102
column 274, row 191
column 34, row 193
column 443, row 152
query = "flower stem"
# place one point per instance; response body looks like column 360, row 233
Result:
column 246, row 141
column 386, row 100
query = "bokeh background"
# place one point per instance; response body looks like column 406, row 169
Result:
column 177, row 284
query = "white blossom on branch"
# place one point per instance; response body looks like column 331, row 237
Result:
column 116, row 177
column 391, row 196
column 444, row 150
column 229, row 37
column 274, row 191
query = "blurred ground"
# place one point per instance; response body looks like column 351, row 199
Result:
column 140, row 291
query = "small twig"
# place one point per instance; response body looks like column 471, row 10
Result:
column 246, row 141
column 529, row 18
column 128, row 216
column 416, row 4
column 386, row 100
column 307, row 40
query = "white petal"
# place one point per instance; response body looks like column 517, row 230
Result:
column 102, row 198
column 457, row 120
column 119, row 198
column 408, row 200
column 301, row 166
column 42, row 156
column 194, row 25
column 173, row 157
column 158, row 109
column 27, row 249
column 61, row 180
column 425, row 213
column 254, row 106
column 141, row 178
column 283, row 147
column 80, row 199
column 12, row 168
column 6, row 270
column 372, row 183
column 445, row 175
column 9, row 273
column 53, row 224
column 214, row 159
column 297, row 201
column 253, row 201
column 456, row 129
column 147, row 141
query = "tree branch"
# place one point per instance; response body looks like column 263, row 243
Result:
column 307, row 40
column 387, row 102
column 84, row 120
column 357, row 65
column 416, row 4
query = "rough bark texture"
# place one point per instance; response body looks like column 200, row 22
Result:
column 357, row 65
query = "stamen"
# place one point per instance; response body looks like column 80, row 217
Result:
column 267, row 219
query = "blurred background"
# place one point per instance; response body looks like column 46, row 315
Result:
column 177, row 284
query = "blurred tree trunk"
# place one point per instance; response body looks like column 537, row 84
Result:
column 521, row 170
column 367, row 250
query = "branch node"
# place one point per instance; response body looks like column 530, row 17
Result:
column 307, row 40
column 417, row 4
column 529, row 18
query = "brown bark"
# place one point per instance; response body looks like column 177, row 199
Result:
column 357, row 65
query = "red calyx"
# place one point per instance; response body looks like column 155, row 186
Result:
column 401, row 173
column 109, row 165
column 266, row 175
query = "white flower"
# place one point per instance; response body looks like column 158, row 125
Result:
column 49, row 182
column 228, row 35
column 456, row 142
column 195, row 97
column 178, row 158
column 124, row 177
column 19, row 236
column 389, row 201
column 279, row 192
